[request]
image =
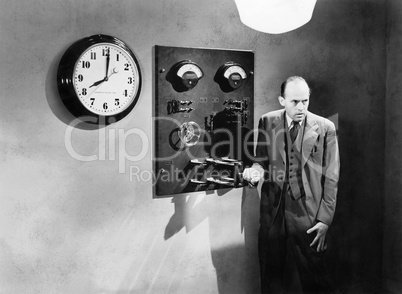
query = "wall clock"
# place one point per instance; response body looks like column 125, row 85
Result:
column 99, row 76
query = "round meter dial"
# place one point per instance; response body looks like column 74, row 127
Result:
column 230, row 76
column 184, row 75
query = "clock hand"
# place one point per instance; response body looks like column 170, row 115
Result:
column 107, row 64
column 107, row 70
column 98, row 83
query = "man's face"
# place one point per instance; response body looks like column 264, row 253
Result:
column 296, row 100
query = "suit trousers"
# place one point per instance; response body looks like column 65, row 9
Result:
column 288, row 232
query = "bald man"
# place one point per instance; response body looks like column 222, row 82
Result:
column 297, row 155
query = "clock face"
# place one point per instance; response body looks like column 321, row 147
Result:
column 99, row 77
column 106, row 79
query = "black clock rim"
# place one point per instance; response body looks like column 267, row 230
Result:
column 65, row 79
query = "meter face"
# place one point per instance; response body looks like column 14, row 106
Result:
column 189, row 67
column 235, row 69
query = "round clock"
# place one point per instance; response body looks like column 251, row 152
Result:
column 99, row 76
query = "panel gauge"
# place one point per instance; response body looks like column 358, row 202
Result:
column 184, row 75
column 230, row 76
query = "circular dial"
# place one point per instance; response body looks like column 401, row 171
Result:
column 188, row 73
column 235, row 69
column 230, row 76
column 99, row 77
column 106, row 79
column 190, row 67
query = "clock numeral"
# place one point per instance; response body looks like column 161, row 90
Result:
column 117, row 57
column 86, row 64
column 84, row 91
column 125, row 93
column 80, row 78
column 126, row 66
column 116, row 101
column 105, row 106
column 130, row 80
column 92, row 101
column 93, row 55
column 105, row 51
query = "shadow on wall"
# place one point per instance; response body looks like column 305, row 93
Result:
column 236, row 264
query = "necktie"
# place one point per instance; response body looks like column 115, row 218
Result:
column 294, row 131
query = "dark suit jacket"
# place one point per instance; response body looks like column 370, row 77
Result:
column 320, row 165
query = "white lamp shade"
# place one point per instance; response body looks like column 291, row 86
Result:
column 275, row 16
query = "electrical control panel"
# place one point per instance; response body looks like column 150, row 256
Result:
column 203, row 111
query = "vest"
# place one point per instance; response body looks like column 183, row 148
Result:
column 294, row 168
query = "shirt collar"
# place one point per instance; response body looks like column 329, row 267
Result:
column 289, row 121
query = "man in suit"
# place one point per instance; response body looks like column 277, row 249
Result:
column 297, row 155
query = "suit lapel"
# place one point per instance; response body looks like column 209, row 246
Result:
column 279, row 134
column 311, row 133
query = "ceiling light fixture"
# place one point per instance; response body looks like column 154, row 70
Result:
column 275, row 16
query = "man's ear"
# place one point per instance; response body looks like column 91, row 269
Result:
column 281, row 101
